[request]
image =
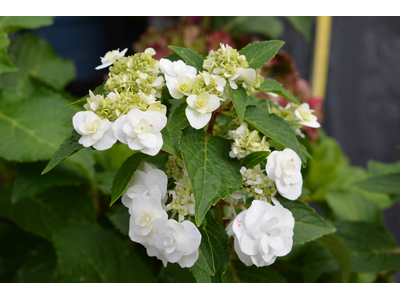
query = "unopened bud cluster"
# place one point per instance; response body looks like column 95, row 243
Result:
column 182, row 196
column 257, row 184
column 245, row 141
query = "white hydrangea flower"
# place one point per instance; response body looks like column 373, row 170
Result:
column 200, row 108
column 173, row 72
column 148, row 181
column 144, row 212
column 304, row 115
column 284, row 167
column 95, row 132
column 141, row 130
column 110, row 58
column 262, row 233
column 179, row 242
column 247, row 76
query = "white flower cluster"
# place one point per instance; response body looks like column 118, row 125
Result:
column 245, row 141
column 182, row 196
column 166, row 239
column 130, row 112
column 262, row 233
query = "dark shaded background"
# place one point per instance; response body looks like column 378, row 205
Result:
column 362, row 105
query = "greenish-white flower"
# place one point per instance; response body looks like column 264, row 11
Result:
column 110, row 58
column 305, row 116
column 200, row 108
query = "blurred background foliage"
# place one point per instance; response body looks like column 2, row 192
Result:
column 59, row 227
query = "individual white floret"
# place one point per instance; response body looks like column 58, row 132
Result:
column 200, row 108
column 284, row 167
column 304, row 115
column 110, row 58
column 141, row 130
column 95, row 132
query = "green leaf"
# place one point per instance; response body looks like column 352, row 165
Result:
column 29, row 182
column 37, row 62
column 273, row 127
column 88, row 253
column 387, row 184
column 191, row 57
column 13, row 23
column 353, row 206
column 178, row 121
column 253, row 274
column 44, row 213
column 309, row 225
column 259, row 53
column 4, row 41
column 173, row 273
column 173, row 57
column 253, row 159
column 212, row 172
column 302, row 25
column 125, row 174
column 373, row 247
column 6, row 66
column 378, row 168
column 97, row 91
column 269, row 26
column 218, row 245
column 113, row 158
column 120, row 219
column 67, row 148
column 239, row 99
column 168, row 143
column 31, row 127
column 340, row 252
column 272, row 86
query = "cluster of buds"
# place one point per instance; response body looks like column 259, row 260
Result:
column 182, row 196
column 257, row 184
column 245, row 141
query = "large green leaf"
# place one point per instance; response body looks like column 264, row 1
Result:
column 309, row 225
column 31, row 127
column 191, row 57
column 125, row 174
column 273, row 127
column 353, row 206
column 340, row 252
column 239, row 99
column 259, row 53
column 44, row 213
column 36, row 60
column 29, row 182
column 6, row 66
column 178, row 121
column 213, row 174
column 373, row 247
column 272, row 86
column 88, row 253
column 13, row 23
column 120, row 219
column 213, row 265
column 4, row 41
column 378, row 168
column 387, row 184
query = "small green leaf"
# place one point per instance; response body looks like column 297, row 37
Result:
column 178, row 121
column 173, row 57
column 168, row 143
column 272, row 86
column 206, row 260
column 191, row 57
column 253, row 159
column 340, row 252
column 309, row 225
column 259, row 53
column 125, row 174
column 378, row 168
column 13, row 23
column 67, row 148
column 273, row 127
column 213, row 174
column 239, row 99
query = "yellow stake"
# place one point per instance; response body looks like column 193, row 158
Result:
column 321, row 56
